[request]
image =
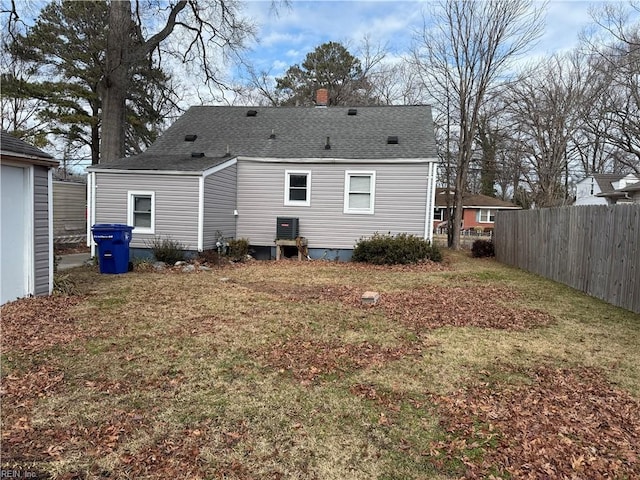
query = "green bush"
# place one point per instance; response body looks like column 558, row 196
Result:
column 482, row 248
column 394, row 249
column 238, row 249
column 166, row 250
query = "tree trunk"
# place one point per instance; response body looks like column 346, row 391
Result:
column 114, row 83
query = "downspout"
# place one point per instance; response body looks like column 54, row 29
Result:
column 430, row 202
column 201, row 213
column 91, row 210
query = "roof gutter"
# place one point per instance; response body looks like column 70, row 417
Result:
column 337, row 160
column 40, row 161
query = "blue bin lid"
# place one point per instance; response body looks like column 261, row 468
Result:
column 111, row 226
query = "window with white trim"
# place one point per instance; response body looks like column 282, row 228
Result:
column 438, row 214
column 141, row 211
column 297, row 188
column 359, row 192
column 486, row 215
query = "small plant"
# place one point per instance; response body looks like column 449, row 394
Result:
column 64, row 285
column 482, row 248
column 395, row 249
column 166, row 250
column 211, row 256
column 238, row 249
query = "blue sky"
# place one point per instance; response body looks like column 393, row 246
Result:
column 286, row 37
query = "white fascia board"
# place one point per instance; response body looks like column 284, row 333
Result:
column 217, row 168
column 338, row 160
column 190, row 173
column 32, row 159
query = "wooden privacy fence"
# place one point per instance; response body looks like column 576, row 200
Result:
column 592, row 248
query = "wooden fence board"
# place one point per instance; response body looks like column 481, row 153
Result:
column 592, row 248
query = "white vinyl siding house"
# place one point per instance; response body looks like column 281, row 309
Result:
column 189, row 207
column 219, row 206
column 175, row 202
column 232, row 171
column 325, row 223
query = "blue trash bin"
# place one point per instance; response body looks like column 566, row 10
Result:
column 113, row 246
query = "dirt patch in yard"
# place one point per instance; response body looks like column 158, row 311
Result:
column 567, row 423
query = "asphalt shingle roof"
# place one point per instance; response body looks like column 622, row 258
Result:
column 178, row 163
column 289, row 133
column 604, row 181
column 15, row 145
column 477, row 200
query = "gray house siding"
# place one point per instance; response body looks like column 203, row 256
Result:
column 176, row 204
column 400, row 200
column 41, row 229
column 69, row 209
column 219, row 205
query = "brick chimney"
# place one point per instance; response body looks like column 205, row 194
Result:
column 322, row 97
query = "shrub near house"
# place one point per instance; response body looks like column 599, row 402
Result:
column 395, row 249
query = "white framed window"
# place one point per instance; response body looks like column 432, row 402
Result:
column 141, row 208
column 297, row 188
column 359, row 192
column 486, row 215
column 438, row 214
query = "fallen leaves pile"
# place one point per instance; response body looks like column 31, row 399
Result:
column 567, row 424
column 472, row 306
column 35, row 324
column 431, row 307
column 307, row 360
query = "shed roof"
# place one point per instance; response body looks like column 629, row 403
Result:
column 291, row 133
column 10, row 144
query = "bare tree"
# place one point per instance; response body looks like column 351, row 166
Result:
column 466, row 47
column 200, row 31
column 614, row 48
column 545, row 105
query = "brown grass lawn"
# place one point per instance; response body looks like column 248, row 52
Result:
column 276, row 371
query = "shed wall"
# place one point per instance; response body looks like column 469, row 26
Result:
column 400, row 202
column 41, row 230
column 176, row 204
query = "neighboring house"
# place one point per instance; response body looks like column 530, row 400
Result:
column 606, row 189
column 69, row 211
column 478, row 211
column 344, row 173
column 26, row 239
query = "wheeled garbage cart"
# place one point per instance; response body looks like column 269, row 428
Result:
column 113, row 246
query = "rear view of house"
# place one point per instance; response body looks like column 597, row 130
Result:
column 340, row 173
column 26, row 243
